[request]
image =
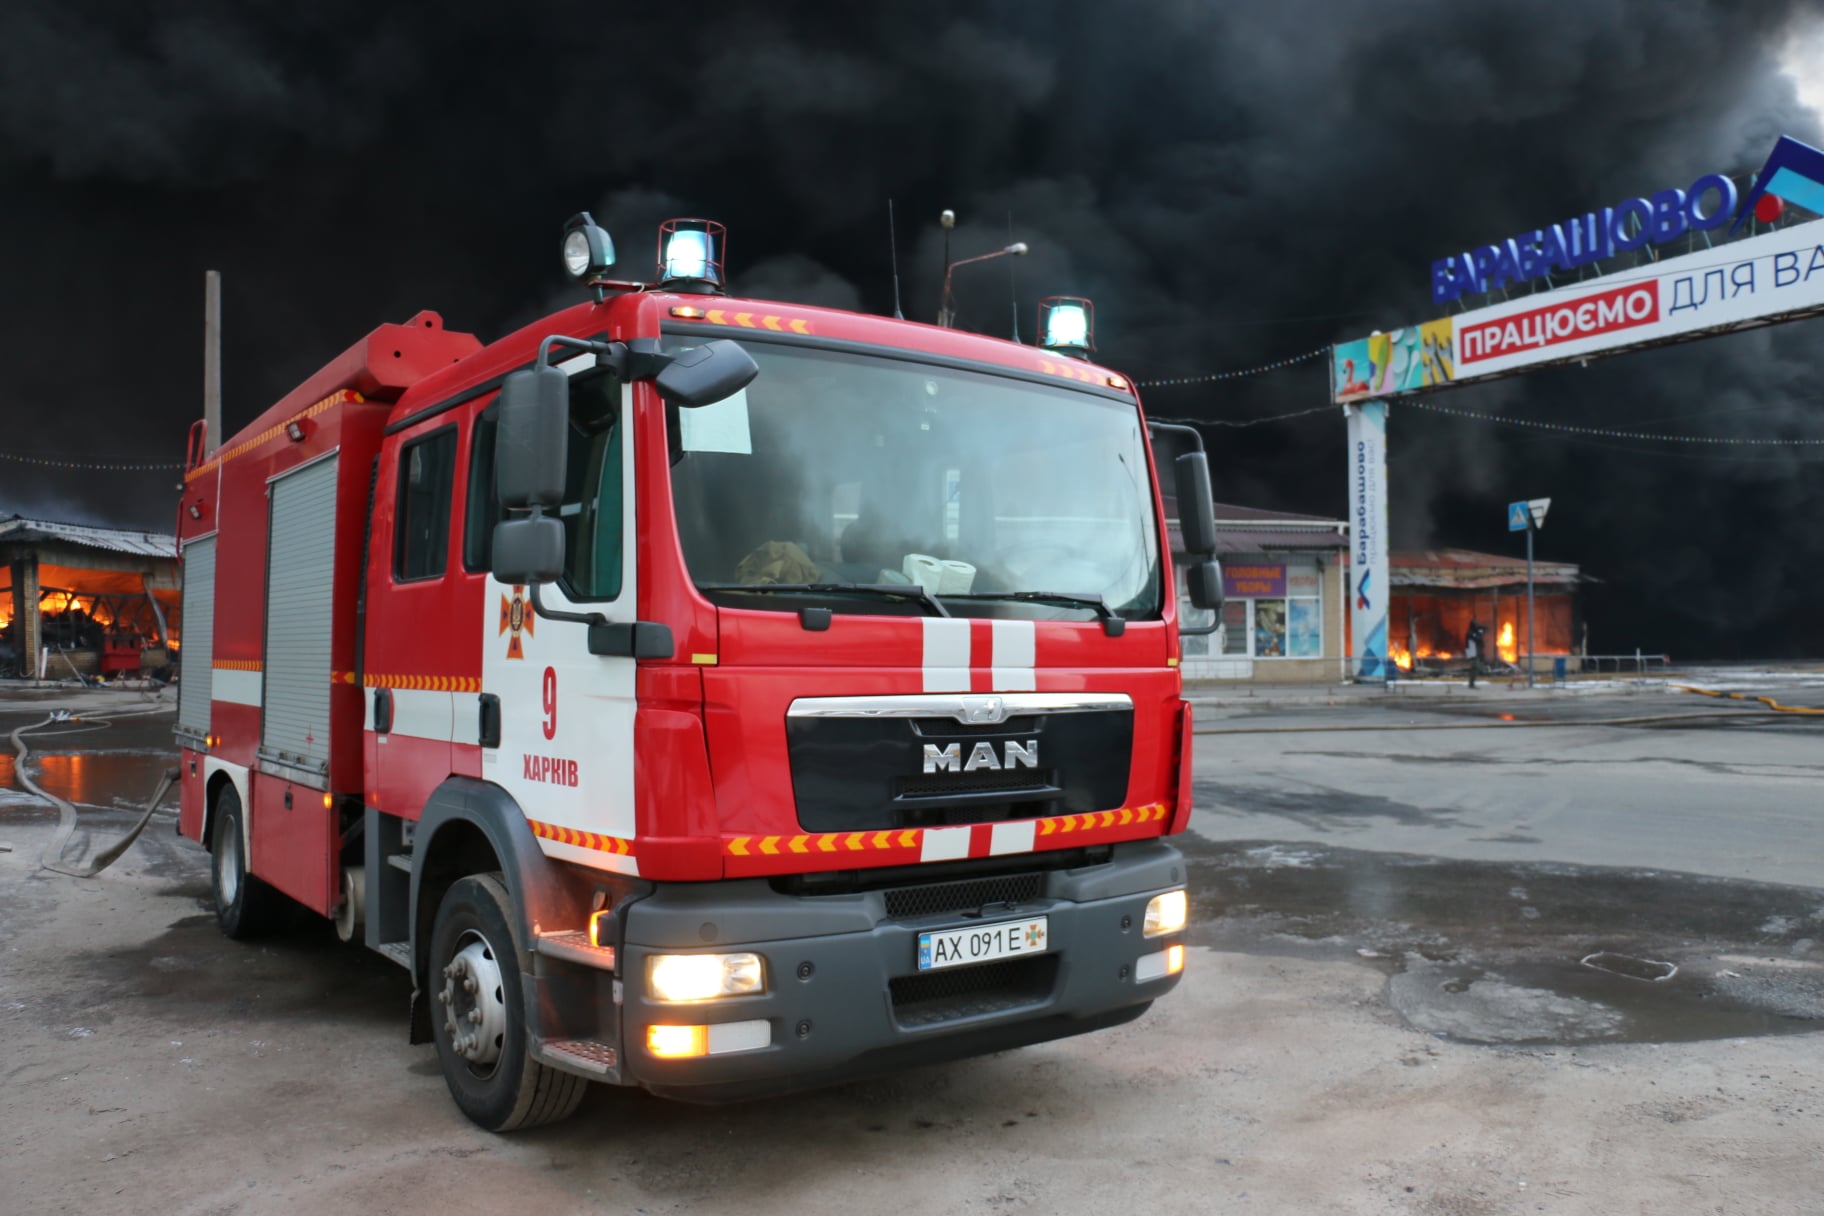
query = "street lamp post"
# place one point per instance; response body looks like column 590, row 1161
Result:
column 946, row 304
column 946, row 313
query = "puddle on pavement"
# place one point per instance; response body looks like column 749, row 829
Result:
column 121, row 779
column 1539, row 953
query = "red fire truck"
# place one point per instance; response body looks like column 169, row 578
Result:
column 711, row 695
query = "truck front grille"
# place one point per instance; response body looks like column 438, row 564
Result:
column 907, row 903
column 944, row 996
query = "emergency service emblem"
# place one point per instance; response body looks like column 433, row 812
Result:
column 514, row 619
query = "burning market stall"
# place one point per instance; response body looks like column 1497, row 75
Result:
column 95, row 600
column 1437, row 592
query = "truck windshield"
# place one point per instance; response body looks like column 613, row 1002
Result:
column 836, row 470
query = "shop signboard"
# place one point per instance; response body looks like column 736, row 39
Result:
column 1369, row 575
column 1777, row 276
column 1252, row 580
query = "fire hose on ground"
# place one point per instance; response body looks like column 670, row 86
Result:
column 1769, row 702
column 52, row 857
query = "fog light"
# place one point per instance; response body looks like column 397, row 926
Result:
column 1159, row 964
column 596, row 921
column 703, row 977
column 1166, row 913
column 677, row 1042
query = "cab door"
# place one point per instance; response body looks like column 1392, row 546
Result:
column 416, row 651
column 566, row 716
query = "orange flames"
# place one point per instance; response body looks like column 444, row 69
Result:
column 56, row 602
column 1403, row 658
column 1505, row 646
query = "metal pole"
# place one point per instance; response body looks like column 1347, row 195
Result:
column 212, row 360
column 1529, row 599
column 947, row 221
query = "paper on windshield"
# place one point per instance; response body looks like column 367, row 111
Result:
column 721, row 427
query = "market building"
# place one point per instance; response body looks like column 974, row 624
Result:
column 88, row 601
column 1285, row 612
column 1282, row 617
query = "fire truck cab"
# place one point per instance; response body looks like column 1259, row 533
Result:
column 711, row 695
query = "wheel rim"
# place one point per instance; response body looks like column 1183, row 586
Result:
column 474, row 1004
column 228, row 867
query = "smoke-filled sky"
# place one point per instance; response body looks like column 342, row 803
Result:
column 1232, row 183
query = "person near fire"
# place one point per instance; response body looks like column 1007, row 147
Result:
column 1472, row 648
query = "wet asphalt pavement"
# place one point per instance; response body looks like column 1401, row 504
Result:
column 1557, row 883
column 1563, row 968
column 1554, row 885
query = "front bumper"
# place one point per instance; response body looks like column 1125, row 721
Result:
column 844, row 997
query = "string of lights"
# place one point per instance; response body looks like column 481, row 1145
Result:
column 1615, row 433
column 93, row 466
column 1241, row 373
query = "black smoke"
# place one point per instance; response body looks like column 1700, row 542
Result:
column 1232, row 183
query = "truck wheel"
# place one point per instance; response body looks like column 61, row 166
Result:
column 480, row 1017
column 244, row 906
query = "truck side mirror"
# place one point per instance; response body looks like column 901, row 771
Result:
column 1203, row 582
column 704, row 375
column 1196, row 506
column 531, row 458
column 529, row 550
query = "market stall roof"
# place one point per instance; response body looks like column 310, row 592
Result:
column 1242, row 529
column 1470, row 570
column 21, row 531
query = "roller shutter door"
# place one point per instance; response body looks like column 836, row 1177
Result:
column 299, row 595
column 195, row 662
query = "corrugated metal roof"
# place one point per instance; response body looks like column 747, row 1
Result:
column 1248, row 530
column 1269, row 540
column 18, row 530
column 1229, row 510
column 1470, row 569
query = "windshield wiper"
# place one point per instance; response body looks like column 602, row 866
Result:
column 1112, row 624
column 1043, row 597
column 899, row 591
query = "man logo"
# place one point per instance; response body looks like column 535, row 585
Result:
column 949, row 759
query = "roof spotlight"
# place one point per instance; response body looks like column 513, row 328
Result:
column 690, row 256
column 588, row 250
column 1067, row 324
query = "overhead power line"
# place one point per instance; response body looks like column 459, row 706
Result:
column 1613, row 432
column 1241, row 422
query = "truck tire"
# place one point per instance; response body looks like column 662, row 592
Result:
column 245, row 907
column 478, row 1014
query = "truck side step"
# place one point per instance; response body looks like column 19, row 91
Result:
column 388, row 872
column 586, row 1055
column 573, row 946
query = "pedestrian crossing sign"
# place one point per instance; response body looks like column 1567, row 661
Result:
column 1517, row 518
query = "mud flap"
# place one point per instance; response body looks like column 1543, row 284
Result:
column 420, row 1020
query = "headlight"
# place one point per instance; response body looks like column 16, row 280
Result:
column 1166, row 913
column 703, row 977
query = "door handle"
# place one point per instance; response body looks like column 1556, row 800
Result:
column 489, row 727
column 383, row 710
